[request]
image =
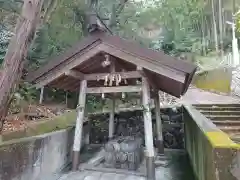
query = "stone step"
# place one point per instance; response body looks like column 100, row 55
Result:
column 230, row 113
column 216, row 105
column 230, row 129
column 235, row 137
column 227, row 123
column 218, row 108
column 223, row 117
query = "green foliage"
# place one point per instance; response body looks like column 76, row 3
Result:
column 178, row 26
column 4, row 40
column 24, row 95
column 61, row 32
column 180, row 22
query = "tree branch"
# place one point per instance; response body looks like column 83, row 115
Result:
column 116, row 11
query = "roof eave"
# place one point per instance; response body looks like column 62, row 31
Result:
column 34, row 75
column 188, row 80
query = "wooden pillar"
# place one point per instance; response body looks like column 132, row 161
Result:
column 66, row 99
column 111, row 119
column 111, row 115
column 147, row 115
column 87, row 135
column 79, row 124
column 159, row 141
column 41, row 95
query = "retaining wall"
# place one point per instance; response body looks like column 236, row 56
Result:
column 218, row 80
column 214, row 156
column 39, row 157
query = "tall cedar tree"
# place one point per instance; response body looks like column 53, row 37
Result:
column 17, row 50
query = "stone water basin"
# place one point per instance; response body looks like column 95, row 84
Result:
column 174, row 165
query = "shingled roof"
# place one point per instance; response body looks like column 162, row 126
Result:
column 168, row 74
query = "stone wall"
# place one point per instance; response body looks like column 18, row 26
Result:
column 214, row 156
column 35, row 157
column 40, row 157
column 218, row 80
column 131, row 124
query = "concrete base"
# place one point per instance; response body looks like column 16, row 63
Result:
column 160, row 146
column 150, row 166
column 75, row 160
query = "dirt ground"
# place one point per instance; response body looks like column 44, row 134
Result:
column 31, row 115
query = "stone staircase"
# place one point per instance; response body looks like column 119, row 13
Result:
column 225, row 116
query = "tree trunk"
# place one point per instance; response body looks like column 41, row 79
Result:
column 203, row 29
column 92, row 6
column 214, row 26
column 220, row 18
column 17, row 51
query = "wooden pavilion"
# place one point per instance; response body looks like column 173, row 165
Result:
column 103, row 63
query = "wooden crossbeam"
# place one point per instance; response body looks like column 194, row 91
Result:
column 75, row 74
column 116, row 89
column 124, row 75
column 101, row 76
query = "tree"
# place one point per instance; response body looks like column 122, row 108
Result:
column 17, row 51
column 36, row 25
column 177, row 27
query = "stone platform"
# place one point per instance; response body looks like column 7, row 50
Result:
column 91, row 175
column 172, row 166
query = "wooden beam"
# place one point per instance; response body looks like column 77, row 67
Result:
column 150, row 80
column 116, row 89
column 124, row 75
column 75, row 74
column 66, row 99
column 41, row 95
column 147, row 116
column 111, row 115
column 65, row 83
column 101, row 76
column 79, row 124
column 159, row 125
column 88, row 131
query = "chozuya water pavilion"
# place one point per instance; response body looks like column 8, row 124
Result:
column 103, row 63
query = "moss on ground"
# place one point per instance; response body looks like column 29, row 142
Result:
column 64, row 121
